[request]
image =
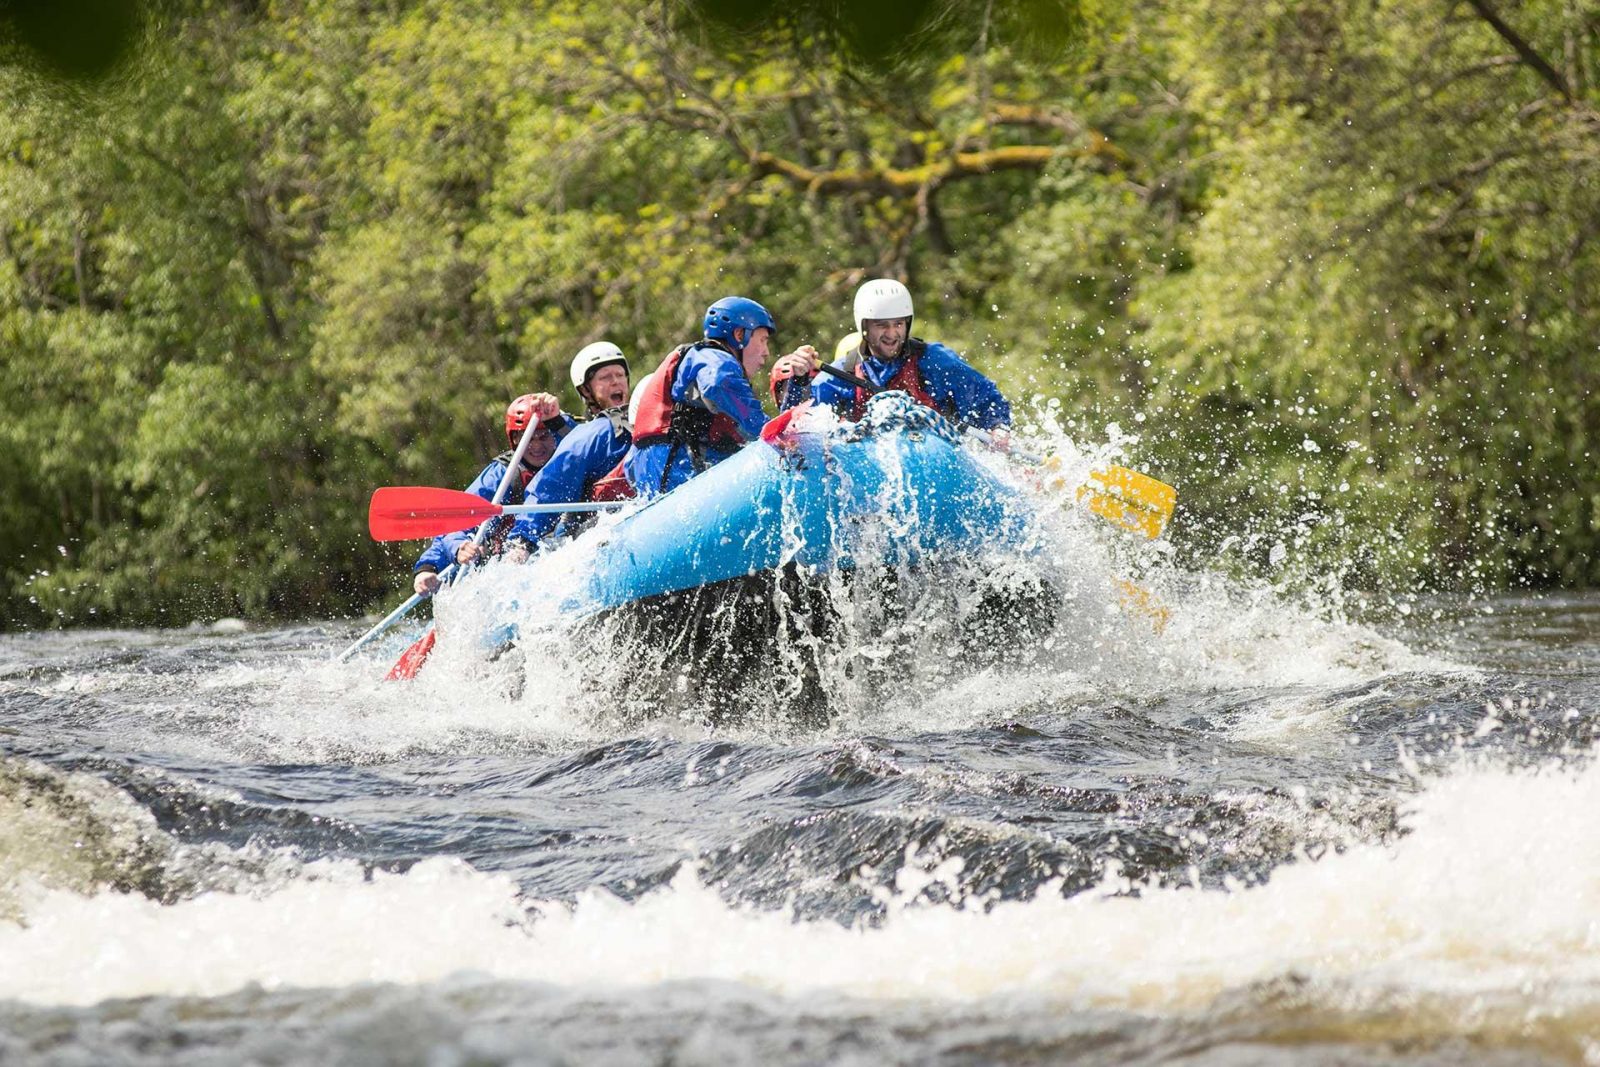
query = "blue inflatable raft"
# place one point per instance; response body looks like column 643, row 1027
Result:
column 896, row 487
column 724, row 593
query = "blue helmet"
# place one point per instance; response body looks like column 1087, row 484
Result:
column 736, row 313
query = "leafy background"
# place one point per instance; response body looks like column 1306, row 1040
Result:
column 1333, row 263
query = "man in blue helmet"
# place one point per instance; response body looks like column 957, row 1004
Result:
column 890, row 358
column 698, row 408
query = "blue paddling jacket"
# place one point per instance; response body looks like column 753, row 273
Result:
column 931, row 372
column 584, row 457
column 698, row 410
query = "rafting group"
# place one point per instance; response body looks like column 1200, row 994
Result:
column 695, row 410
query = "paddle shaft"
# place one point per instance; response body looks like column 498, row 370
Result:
column 504, row 487
column 389, row 620
column 552, row 509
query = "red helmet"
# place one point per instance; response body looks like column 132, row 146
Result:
column 518, row 414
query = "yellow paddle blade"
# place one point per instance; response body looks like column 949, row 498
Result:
column 1132, row 500
column 1137, row 600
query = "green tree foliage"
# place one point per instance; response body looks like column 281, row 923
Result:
column 1395, row 260
column 1332, row 262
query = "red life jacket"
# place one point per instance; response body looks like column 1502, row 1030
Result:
column 613, row 485
column 661, row 421
column 907, row 379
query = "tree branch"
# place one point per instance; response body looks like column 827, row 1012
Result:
column 1522, row 48
column 1100, row 146
column 890, row 181
column 1025, row 115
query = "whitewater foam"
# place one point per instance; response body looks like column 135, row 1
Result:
column 1495, row 885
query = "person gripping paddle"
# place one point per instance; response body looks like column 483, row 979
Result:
column 458, row 547
column 933, row 374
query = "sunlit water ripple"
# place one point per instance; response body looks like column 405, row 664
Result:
column 1274, row 838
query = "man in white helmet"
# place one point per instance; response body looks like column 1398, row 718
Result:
column 600, row 375
column 890, row 358
column 586, row 465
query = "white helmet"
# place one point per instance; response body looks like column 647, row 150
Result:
column 591, row 358
column 882, row 298
column 638, row 396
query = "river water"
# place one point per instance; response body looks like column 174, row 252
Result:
column 1262, row 835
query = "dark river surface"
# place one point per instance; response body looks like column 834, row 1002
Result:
column 1259, row 836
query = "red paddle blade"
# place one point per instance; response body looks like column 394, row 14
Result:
column 775, row 428
column 406, row 512
column 411, row 660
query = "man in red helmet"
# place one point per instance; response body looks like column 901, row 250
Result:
column 458, row 547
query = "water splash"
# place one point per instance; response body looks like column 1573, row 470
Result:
column 894, row 640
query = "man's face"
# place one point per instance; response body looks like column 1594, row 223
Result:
column 756, row 351
column 541, row 446
column 608, row 387
column 885, row 336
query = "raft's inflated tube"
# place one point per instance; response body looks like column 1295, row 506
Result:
column 897, row 487
column 811, row 498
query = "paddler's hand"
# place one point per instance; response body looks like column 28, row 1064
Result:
column 803, row 362
column 467, row 553
column 426, row 583
column 546, row 407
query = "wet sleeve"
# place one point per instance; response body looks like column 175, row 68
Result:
column 837, row 394
column 530, row 530
column 450, row 542
column 977, row 400
column 488, row 480
column 560, row 482
column 726, row 390
column 436, row 557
